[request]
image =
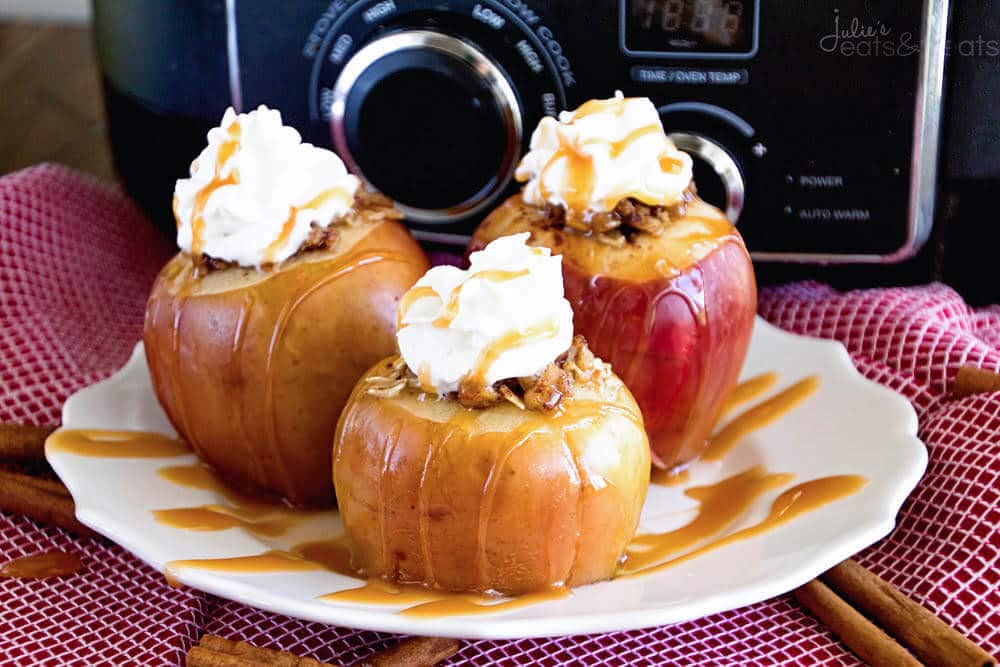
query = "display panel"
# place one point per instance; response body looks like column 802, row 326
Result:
column 690, row 27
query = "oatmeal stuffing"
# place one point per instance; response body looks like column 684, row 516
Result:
column 623, row 223
column 543, row 392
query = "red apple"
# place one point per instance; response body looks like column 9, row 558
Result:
column 254, row 366
column 672, row 313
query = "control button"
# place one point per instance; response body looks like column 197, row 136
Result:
column 758, row 149
column 719, row 179
column 429, row 120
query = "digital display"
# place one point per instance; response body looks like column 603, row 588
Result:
column 690, row 27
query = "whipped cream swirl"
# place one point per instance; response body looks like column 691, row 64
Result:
column 256, row 191
column 504, row 317
column 607, row 150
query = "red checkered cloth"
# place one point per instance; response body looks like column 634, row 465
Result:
column 76, row 261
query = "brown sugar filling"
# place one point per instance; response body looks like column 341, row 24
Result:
column 543, row 392
column 368, row 207
column 629, row 218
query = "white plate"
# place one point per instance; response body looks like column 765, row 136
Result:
column 849, row 426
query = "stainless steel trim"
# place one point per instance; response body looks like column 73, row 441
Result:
column 495, row 80
column 738, row 123
column 233, row 58
column 721, row 162
column 923, row 165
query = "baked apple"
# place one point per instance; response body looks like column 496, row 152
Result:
column 660, row 282
column 253, row 364
column 506, row 481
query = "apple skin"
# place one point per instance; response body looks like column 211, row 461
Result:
column 494, row 499
column 253, row 367
column 677, row 333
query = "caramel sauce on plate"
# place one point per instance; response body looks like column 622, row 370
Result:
column 719, row 506
column 792, row 503
column 116, row 444
column 469, row 605
column 748, row 390
column 42, row 566
column 758, row 417
column 262, row 563
column 217, row 517
column 257, row 516
column 669, row 477
column 200, row 476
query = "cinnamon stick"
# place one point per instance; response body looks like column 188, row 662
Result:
column 859, row 634
column 415, row 652
column 214, row 651
column 23, row 441
column 971, row 380
column 46, row 501
column 931, row 639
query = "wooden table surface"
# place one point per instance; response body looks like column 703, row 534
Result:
column 50, row 105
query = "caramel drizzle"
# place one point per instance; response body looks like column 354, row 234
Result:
column 386, row 461
column 582, row 178
column 594, row 107
column 413, row 295
column 509, row 341
column 174, row 373
column 348, row 265
column 490, row 275
column 792, row 503
column 758, row 417
column 226, row 151
column 580, row 166
column 444, row 320
column 671, row 164
column 236, row 371
column 116, row 444
column 293, row 212
column 578, row 480
column 487, row 498
column 616, row 148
